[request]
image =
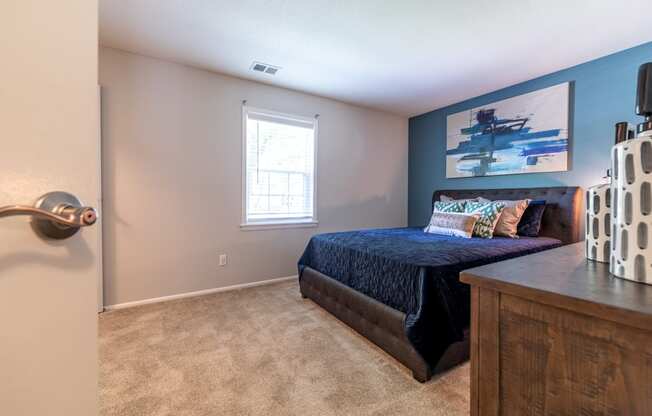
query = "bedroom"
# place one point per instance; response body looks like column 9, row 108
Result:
column 261, row 174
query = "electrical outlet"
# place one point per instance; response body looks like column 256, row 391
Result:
column 222, row 259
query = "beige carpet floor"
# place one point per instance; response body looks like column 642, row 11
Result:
column 257, row 351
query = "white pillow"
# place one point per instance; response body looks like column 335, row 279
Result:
column 446, row 198
column 456, row 224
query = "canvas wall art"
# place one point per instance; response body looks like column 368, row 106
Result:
column 523, row 134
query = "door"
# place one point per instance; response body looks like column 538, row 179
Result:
column 100, row 221
column 48, row 139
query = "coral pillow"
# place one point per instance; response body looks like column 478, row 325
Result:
column 508, row 221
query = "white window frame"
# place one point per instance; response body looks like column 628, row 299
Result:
column 280, row 223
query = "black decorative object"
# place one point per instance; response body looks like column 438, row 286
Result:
column 624, row 131
column 644, row 99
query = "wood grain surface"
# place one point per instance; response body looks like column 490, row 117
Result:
column 565, row 338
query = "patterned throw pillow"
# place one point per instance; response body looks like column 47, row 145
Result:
column 456, row 224
column 489, row 214
column 450, row 206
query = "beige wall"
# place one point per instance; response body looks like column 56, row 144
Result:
column 172, row 177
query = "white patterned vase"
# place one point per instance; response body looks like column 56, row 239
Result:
column 631, row 210
column 598, row 223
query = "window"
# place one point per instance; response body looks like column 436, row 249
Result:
column 278, row 169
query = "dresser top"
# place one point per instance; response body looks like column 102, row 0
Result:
column 563, row 277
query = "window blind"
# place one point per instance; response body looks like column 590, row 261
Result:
column 279, row 157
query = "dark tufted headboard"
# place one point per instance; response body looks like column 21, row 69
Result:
column 563, row 216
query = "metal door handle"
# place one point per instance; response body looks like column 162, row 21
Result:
column 56, row 214
column 71, row 217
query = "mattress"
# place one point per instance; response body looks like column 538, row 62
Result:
column 416, row 273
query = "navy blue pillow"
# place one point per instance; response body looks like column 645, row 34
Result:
column 530, row 222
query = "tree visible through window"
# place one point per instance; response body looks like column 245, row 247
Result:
column 279, row 168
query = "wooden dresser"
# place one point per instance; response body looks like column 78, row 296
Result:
column 554, row 334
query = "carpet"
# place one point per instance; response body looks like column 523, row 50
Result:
column 257, row 351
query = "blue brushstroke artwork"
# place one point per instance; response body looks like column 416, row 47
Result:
column 523, row 134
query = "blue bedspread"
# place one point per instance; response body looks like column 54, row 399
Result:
column 416, row 273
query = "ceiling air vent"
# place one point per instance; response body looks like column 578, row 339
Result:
column 265, row 68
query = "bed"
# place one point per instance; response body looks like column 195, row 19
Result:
column 400, row 287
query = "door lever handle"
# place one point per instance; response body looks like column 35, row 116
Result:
column 70, row 217
column 56, row 215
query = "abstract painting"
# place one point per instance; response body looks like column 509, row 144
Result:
column 523, row 134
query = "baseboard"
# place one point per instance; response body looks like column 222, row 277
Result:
column 197, row 293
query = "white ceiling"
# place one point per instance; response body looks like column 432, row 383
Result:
column 403, row 56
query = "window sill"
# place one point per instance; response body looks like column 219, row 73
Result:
column 257, row 226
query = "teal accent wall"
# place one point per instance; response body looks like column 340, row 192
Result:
column 604, row 93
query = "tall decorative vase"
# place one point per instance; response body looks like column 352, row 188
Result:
column 598, row 223
column 631, row 194
column 598, row 209
column 631, row 202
